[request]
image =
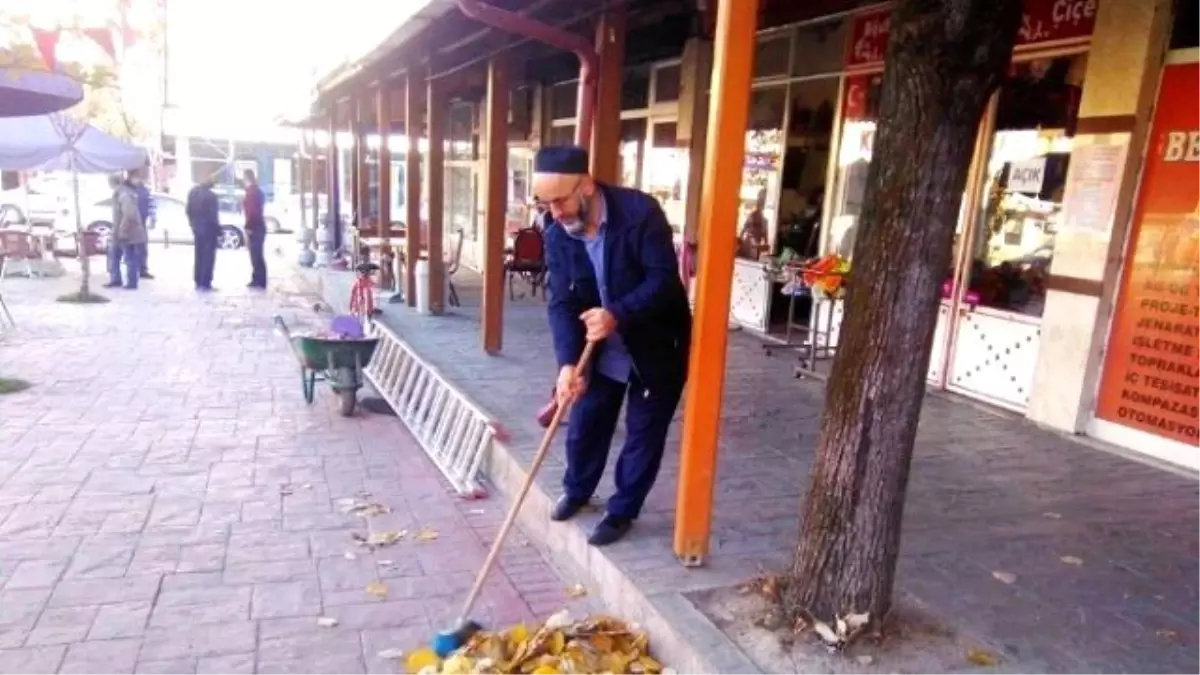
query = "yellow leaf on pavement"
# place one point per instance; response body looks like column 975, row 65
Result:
column 419, row 660
column 427, row 534
column 982, row 657
column 377, row 589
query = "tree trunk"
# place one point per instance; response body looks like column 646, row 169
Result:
column 81, row 247
column 944, row 60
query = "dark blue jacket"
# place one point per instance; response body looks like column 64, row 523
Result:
column 145, row 203
column 645, row 292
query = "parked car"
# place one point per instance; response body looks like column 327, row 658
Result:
column 169, row 223
column 43, row 204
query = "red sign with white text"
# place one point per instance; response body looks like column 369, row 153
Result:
column 1042, row 21
column 1151, row 376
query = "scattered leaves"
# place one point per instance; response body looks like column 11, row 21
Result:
column 982, row 657
column 377, row 540
column 845, row 629
column 363, row 509
column 377, row 589
column 576, row 591
column 1006, row 577
column 427, row 534
column 766, row 585
column 1072, row 560
column 419, row 659
column 599, row 644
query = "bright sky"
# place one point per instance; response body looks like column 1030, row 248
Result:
column 259, row 58
column 248, row 60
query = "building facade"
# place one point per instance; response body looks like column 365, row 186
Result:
column 1073, row 298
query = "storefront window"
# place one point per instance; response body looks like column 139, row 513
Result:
column 859, row 112
column 820, row 48
column 635, row 88
column 459, row 131
column 562, row 135
column 666, row 173
column 771, row 55
column 563, row 99
column 760, row 172
column 1021, row 202
column 805, row 163
column 460, row 209
column 633, row 138
column 666, row 84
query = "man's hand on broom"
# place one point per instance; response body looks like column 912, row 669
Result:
column 570, row 385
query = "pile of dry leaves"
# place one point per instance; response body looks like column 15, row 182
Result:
column 598, row 644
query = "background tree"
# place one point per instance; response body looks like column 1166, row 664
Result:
column 945, row 59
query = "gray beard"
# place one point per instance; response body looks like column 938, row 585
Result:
column 576, row 226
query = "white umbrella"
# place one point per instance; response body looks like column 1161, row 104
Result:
column 56, row 142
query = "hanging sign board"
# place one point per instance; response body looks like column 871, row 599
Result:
column 1151, row 379
column 1043, row 21
column 1027, row 176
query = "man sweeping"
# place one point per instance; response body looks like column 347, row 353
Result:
column 614, row 279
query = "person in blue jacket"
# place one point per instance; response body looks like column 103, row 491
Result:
column 613, row 279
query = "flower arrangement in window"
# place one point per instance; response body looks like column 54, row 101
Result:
column 826, row 276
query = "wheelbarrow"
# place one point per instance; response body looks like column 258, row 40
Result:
column 338, row 360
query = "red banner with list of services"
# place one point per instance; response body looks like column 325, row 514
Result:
column 1151, row 379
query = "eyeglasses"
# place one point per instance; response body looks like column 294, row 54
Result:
column 558, row 201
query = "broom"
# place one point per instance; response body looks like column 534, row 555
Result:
column 446, row 642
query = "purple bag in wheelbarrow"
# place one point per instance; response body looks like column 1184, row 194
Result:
column 347, row 327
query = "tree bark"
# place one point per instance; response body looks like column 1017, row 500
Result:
column 945, row 58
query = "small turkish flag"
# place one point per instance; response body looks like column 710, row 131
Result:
column 104, row 38
column 47, row 41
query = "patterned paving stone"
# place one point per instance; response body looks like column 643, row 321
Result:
column 169, row 504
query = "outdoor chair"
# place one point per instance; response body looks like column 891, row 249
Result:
column 5, row 315
column 527, row 262
column 18, row 247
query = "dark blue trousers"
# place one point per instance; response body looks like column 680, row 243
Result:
column 589, row 435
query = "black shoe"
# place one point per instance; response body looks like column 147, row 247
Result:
column 112, row 285
column 205, row 289
column 146, row 275
column 256, row 285
column 565, row 508
column 610, row 529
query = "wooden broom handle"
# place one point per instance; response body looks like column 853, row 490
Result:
column 538, row 458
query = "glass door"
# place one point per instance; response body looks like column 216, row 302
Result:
column 665, row 172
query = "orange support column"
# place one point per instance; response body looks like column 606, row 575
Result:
column 435, row 176
column 413, row 94
column 606, row 134
column 728, row 109
column 495, row 206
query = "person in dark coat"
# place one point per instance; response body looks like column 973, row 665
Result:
column 203, row 212
column 253, row 206
column 145, row 204
column 614, row 280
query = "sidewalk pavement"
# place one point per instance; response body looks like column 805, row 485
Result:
column 169, row 504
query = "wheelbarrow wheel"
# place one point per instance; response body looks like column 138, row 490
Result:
column 348, row 399
column 346, row 387
column 308, row 382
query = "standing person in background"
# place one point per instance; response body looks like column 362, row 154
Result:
column 146, row 208
column 256, row 229
column 129, row 234
column 115, row 248
column 203, row 212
